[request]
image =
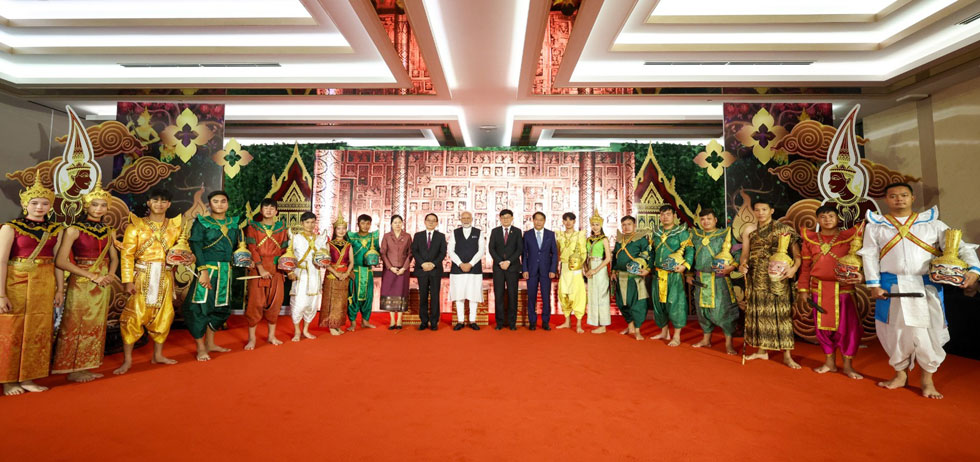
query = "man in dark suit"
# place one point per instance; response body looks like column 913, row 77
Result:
column 540, row 265
column 429, row 250
column 506, row 246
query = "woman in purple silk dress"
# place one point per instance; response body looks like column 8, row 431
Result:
column 397, row 258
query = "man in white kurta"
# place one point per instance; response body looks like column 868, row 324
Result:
column 466, row 249
column 898, row 248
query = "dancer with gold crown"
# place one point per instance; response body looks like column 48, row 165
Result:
column 266, row 239
column 713, row 293
column 148, row 255
column 572, row 251
column 597, row 272
column 333, row 303
column 32, row 287
column 88, row 255
column 899, row 248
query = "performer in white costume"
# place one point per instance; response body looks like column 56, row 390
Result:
column 898, row 248
column 466, row 249
column 304, row 296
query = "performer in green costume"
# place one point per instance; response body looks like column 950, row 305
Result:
column 365, row 246
column 213, row 239
column 630, row 266
column 672, row 254
column 713, row 292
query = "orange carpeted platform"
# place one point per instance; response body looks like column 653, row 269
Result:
column 489, row 395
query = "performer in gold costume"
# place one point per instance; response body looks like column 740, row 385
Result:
column 28, row 295
column 81, row 335
column 572, row 296
column 148, row 278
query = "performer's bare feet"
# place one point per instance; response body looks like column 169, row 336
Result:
column 676, row 341
column 11, row 389
column 202, row 355
column 218, row 349
column 580, row 330
column 824, row 368
column 761, row 354
column 29, row 385
column 351, row 328
column 899, row 381
column 704, row 343
column 296, row 336
column 161, row 359
column 250, row 345
column 849, row 369
column 367, row 325
column 275, row 341
column 638, row 335
column 625, row 331
column 307, row 334
column 788, row 360
column 729, row 348
column 566, row 324
column 82, row 376
column 663, row 335
column 124, row 368
column 599, row 330
column 928, row 387
column 336, row 332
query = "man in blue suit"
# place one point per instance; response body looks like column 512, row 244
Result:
column 540, row 265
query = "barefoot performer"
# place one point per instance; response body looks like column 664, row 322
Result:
column 713, row 292
column 597, row 271
column 307, row 278
column 630, row 265
column 366, row 255
column 333, row 303
column 214, row 238
column 672, row 254
column 769, row 312
column 32, row 287
column 266, row 240
column 838, row 326
column 898, row 248
column 148, row 278
column 572, row 250
column 81, row 336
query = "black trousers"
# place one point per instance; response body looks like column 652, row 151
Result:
column 430, row 286
column 505, row 309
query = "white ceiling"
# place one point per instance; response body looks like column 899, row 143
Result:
column 482, row 56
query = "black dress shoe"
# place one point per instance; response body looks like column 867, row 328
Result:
column 458, row 326
column 474, row 326
column 434, row 327
column 392, row 327
column 545, row 327
column 513, row 327
column 532, row 328
column 498, row 328
column 398, row 327
column 423, row 327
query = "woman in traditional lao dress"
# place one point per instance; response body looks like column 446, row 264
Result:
column 32, row 287
column 597, row 272
column 333, row 305
column 396, row 254
column 81, row 335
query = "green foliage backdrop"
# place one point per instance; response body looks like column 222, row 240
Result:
column 254, row 180
column 692, row 182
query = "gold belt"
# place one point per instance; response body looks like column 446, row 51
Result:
column 36, row 261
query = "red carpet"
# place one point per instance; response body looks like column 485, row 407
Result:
column 488, row 395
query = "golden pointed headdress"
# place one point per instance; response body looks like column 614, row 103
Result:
column 843, row 165
column 97, row 193
column 340, row 221
column 38, row 191
column 596, row 219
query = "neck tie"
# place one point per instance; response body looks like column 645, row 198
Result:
column 506, row 232
column 538, row 233
column 428, row 240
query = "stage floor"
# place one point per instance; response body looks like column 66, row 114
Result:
column 489, row 395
